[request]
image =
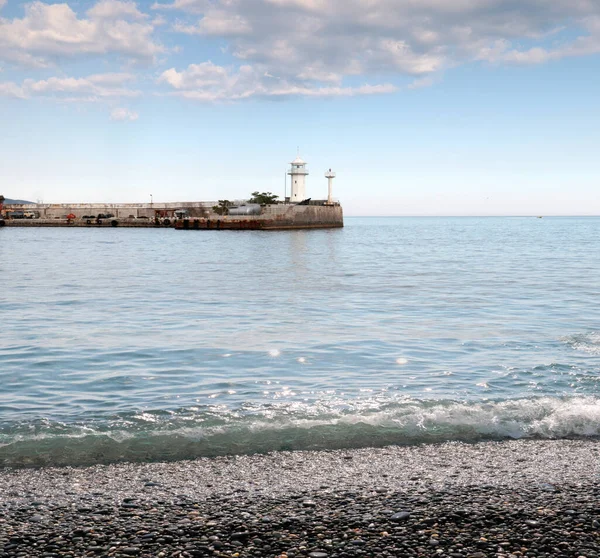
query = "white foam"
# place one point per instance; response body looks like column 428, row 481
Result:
column 321, row 425
column 586, row 342
column 545, row 417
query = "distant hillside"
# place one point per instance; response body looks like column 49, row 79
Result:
column 8, row 201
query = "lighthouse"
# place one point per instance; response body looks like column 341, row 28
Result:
column 330, row 175
column 298, row 175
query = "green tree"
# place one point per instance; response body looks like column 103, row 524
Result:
column 223, row 207
column 264, row 198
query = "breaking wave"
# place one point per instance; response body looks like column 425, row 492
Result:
column 195, row 432
column 586, row 342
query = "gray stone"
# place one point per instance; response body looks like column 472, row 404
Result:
column 400, row 516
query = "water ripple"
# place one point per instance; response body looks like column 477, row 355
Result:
column 388, row 331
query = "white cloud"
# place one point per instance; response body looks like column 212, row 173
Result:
column 159, row 20
column 324, row 41
column 97, row 87
column 123, row 115
column 2, row 2
column 194, row 6
column 400, row 55
column 422, row 82
column 51, row 31
column 320, row 74
column 280, row 48
column 114, row 9
column 502, row 51
column 10, row 89
column 217, row 23
column 210, row 82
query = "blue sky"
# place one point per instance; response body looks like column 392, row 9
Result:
column 422, row 107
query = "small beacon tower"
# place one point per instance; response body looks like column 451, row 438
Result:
column 298, row 173
column 330, row 175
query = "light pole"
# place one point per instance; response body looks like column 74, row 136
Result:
column 150, row 200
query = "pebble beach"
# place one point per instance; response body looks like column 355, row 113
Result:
column 492, row 499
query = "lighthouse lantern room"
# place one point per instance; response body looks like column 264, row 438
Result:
column 298, row 174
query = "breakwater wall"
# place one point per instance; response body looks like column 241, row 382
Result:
column 272, row 217
column 81, row 223
column 120, row 211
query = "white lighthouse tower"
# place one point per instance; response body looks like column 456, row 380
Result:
column 298, row 173
column 330, row 175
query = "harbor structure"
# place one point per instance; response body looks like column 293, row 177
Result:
column 298, row 173
column 315, row 214
column 296, row 212
column 120, row 211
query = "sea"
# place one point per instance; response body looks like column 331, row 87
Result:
column 163, row 345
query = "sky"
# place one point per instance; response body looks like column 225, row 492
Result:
column 422, row 107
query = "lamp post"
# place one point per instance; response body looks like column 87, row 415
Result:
column 150, row 200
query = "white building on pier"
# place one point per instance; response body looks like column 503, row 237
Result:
column 298, row 174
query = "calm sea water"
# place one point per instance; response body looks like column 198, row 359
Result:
column 126, row 344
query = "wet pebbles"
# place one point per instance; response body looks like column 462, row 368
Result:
column 456, row 500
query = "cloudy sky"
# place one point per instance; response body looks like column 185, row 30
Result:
column 423, row 107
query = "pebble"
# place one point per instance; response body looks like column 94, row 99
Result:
column 358, row 516
column 400, row 516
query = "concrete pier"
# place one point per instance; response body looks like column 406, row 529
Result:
column 79, row 223
column 272, row 217
column 296, row 212
column 119, row 211
column 199, row 216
